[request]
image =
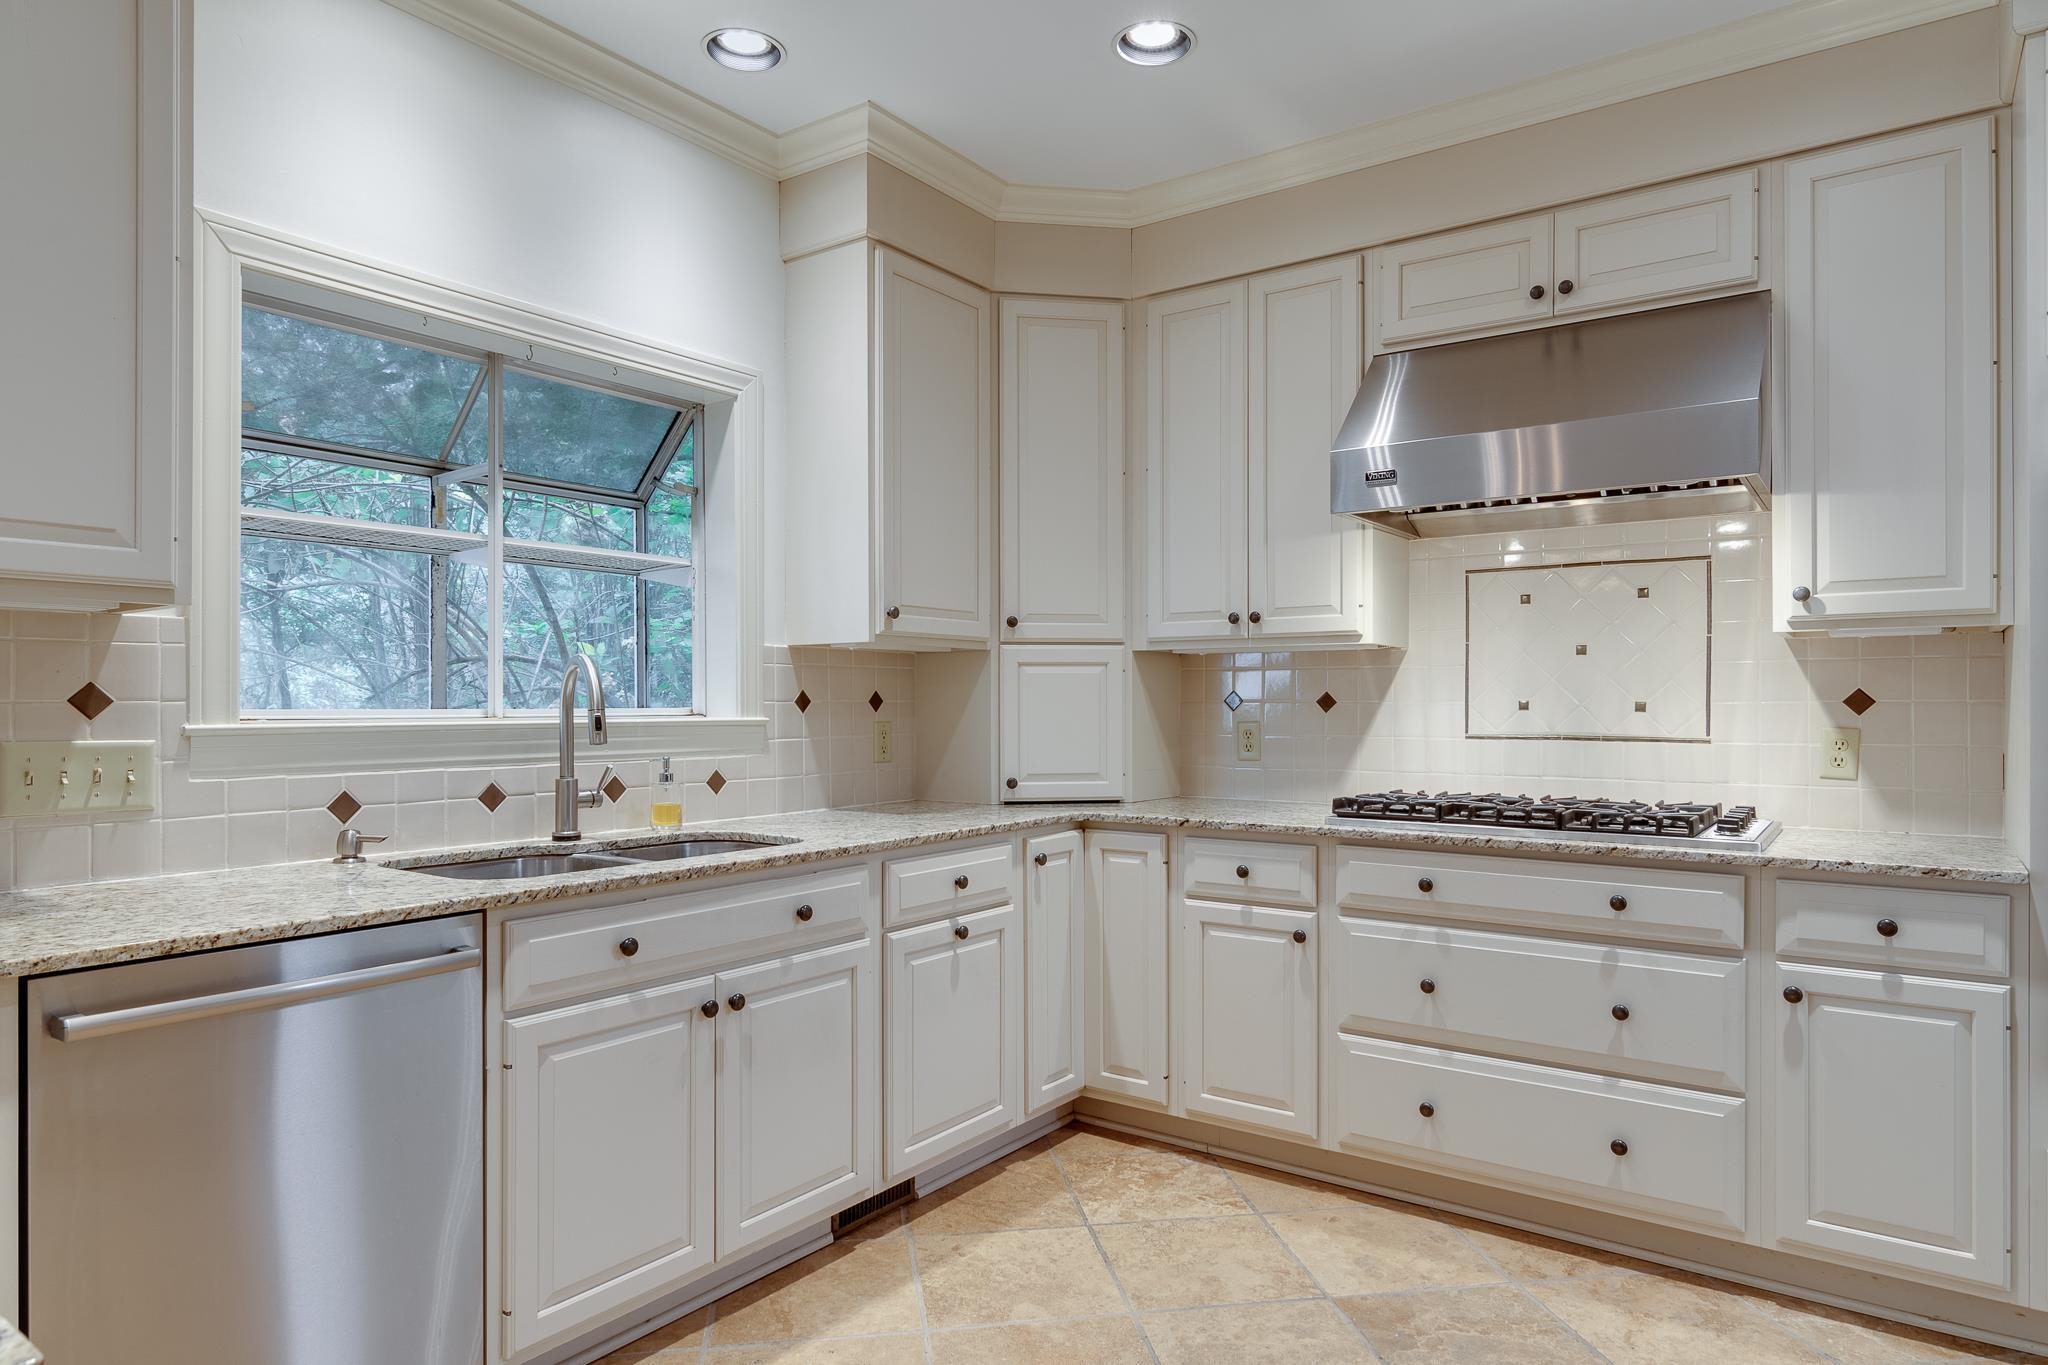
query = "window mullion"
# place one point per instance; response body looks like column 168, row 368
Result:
column 494, row 525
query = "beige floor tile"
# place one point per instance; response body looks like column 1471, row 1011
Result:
column 1185, row 1263
column 1378, row 1247
column 1123, row 1180
column 1464, row 1327
column 681, row 1337
column 891, row 1350
column 1872, row 1341
column 1526, row 1256
column 1311, row 1333
column 848, row 1289
column 980, row 1279
column 1097, row 1341
column 1279, row 1192
column 1660, row 1319
column 1005, row 1197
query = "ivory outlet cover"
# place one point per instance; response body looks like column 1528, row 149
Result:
column 1250, row 748
column 1841, row 753
column 77, row 777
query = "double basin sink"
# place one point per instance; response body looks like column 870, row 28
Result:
column 550, row 864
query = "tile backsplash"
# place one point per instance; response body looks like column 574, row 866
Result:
column 1932, row 708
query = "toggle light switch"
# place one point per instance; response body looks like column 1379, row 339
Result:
column 77, row 777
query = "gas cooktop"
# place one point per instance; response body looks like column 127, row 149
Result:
column 1665, row 824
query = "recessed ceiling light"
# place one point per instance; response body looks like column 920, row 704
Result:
column 742, row 49
column 1155, row 42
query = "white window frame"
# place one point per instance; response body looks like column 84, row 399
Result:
column 730, row 572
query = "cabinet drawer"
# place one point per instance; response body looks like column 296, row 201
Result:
column 1672, row 1017
column 1944, row 931
column 950, row 882
column 1673, row 1154
column 1240, row 870
column 1586, row 897
column 583, row 952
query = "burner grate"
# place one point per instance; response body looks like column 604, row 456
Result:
column 1596, row 815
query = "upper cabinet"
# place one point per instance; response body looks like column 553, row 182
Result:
column 1679, row 239
column 1195, row 367
column 94, row 338
column 1887, row 498
column 882, row 344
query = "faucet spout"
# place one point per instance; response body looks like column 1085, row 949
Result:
column 570, row 797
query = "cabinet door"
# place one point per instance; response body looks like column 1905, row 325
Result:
column 956, row 1016
column 1891, row 1118
column 1890, row 469
column 1062, row 469
column 1054, row 1026
column 1462, row 281
column 95, row 130
column 1125, row 965
column 1062, row 722
column 932, row 451
column 798, row 1076
column 1674, row 240
column 1306, row 564
column 1246, row 997
column 1195, row 464
column 608, row 1157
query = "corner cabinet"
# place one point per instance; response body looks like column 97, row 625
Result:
column 885, row 345
column 100, row 269
column 1887, row 504
column 1125, row 966
column 1055, row 1053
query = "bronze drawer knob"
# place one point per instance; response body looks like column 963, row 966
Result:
column 1618, row 1147
column 709, row 1009
column 1038, row 858
column 960, row 882
column 1793, row 995
column 736, row 1002
column 1426, row 1109
column 1428, row 986
column 1425, row 885
column 959, row 931
column 1243, row 872
column 1617, row 903
column 1620, row 1012
column 628, row 946
column 1888, row 927
column 804, row 913
column 1301, row 935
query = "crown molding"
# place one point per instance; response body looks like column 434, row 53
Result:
column 869, row 130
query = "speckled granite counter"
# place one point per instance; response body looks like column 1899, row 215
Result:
column 83, row 926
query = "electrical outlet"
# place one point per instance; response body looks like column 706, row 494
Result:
column 883, row 752
column 1841, row 753
column 73, row 777
column 1249, row 747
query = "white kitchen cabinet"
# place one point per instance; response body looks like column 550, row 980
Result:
column 1061, row 460
column 1062, row 722
column 608, row 1157
column 1245, row 999
column 954, row 1071
column 1126, row 966
column 1890, row 1121
column 1195, row 349
column 1677, row 239
column 799, row 1076
column 1457, row 281
column 95, row 339
column 1888, row 488
column 1055, row 1055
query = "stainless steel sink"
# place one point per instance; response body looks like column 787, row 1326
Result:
column 689, row 848
column 531, row 865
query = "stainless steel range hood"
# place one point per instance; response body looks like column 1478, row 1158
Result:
column 1648, row 415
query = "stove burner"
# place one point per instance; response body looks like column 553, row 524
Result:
column 1566, row 814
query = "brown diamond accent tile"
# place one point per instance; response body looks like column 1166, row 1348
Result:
column 614, row 788
column 716, row 782
column 875, row 702
column 344, row 807
column 492, row 796
column 1525, row 599
column 89, row 701
column 1859, row 701
column 1578, row 649
column 1642, row 707
column 803, row 701
column 1642, row 592
column 1327, row 702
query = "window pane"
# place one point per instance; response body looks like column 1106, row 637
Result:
column 300, row 483
column 571, row 434
column 668, row 524
column 671, row 646
column 335, row 627
column 682, row 466
column 551, row 614
column 469, row 617
column 325, row 384
column 570, row 521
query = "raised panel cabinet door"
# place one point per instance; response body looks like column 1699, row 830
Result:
column 1062, row 713
column 1306, row 563
column 799, row 1074
column 1890, row 1120
column 955, row 993
column 932, row 451
column 1246, row 997
column 1195, row 464
column 1061, row 469
column 1054, row 1025
column 608, row 1157
column 1463, row 281
column 1125, row 965
column 1673, row 240
column 1890, row 468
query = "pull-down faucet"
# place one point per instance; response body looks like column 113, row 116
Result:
column 570, row 796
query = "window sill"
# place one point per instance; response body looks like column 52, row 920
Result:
column 273, row 748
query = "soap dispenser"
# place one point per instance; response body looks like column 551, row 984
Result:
column 665, row 811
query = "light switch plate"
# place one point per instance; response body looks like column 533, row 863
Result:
column 1250, row 748
column 1841, row 754
column 77, row 777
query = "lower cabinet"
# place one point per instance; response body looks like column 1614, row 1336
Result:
column 1125, row 965
column 1246, row 1007
column 955, row 1044
column 1054, row 1026
column 1891, row 1120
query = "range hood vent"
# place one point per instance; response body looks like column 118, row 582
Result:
column 1647, row 415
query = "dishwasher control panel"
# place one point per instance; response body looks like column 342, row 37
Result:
column 77, row 777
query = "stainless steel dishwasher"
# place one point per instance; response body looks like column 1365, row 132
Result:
column 269, row 1155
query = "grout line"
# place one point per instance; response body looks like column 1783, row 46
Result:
column 924, row 1319
column 1144, row 1337
column 1519, row 1287
column 1328, row 1298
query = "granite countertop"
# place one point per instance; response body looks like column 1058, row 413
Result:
column 82, row 926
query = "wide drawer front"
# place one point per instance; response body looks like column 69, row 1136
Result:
column 950, row 882
column 1672, row 1017
column 1673, row 1154
column 1948, row 931
column 589, row 952
column 1585, row 897
column 1241, row 870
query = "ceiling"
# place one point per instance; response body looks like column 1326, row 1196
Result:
column 1033, row 91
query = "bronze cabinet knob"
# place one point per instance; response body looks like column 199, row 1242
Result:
column 1243, row 872
column 804, row 913
column 1255, row 618
column 1564, row 286
column 1425, row 885
column 893, row 613
column 1426, row 1109
column 959, row 931
column 1888, row 927
column 1620, row 1012
column 1535, row 291
column 735, row 1002
column 1793, row 995
column 1802, row 594
column 629, row 946
column 1429, row 985
column 1038, row 858
column 709, row 1009
column 1234, row 618
column 1617, row 903
column 1618, row 1147
column 1301, row 935
column 960, row 882
column 1010, row 621
column 1011, row 783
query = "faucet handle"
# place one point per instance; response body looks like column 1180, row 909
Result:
column 604, row 778
column 592, row 797
column 348, row 845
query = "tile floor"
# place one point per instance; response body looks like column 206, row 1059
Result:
column 1089, row 1246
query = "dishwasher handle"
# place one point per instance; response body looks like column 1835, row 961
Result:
column 72, row 1028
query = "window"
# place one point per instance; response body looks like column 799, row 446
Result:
column 425, row 528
